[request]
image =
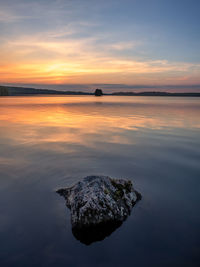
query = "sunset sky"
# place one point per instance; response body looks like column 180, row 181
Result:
column 115, row 44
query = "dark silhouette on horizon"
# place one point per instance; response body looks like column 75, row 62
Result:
column 25, row 91
column 4, row 91
column 98, row 92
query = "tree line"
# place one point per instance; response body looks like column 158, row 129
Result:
column 4, row 91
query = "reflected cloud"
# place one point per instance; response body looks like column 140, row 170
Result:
column 81, row 120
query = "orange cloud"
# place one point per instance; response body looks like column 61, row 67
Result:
column 43, row 59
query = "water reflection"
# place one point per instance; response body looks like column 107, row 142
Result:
column 82, row 120
column 51, row 142
column 96, row 233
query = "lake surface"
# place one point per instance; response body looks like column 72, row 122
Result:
column 50, row 142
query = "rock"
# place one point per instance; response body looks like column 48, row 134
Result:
column 98, row 92
column 99, row 204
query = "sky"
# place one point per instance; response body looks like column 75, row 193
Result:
column 113, row 44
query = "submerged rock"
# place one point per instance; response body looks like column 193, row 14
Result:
column 99, row 204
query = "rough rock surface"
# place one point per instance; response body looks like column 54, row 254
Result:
column 99, row 200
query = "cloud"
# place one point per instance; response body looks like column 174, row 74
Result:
column 124, row 45
column 85, row 52
column 7, row 16
column 61, row 46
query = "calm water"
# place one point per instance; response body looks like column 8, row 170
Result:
column 50, row 142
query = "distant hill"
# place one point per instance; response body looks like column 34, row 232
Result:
column 155, row 94
column 23, row 91
column 4, row 91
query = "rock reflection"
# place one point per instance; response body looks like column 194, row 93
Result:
column 89, row 235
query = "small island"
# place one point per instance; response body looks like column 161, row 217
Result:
column 98, row 92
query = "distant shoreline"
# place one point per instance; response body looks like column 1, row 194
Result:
column 24, row 91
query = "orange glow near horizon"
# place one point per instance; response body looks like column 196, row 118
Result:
column 63, row 42
column 78, row 62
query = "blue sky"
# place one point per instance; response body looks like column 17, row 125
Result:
column 146, row 42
